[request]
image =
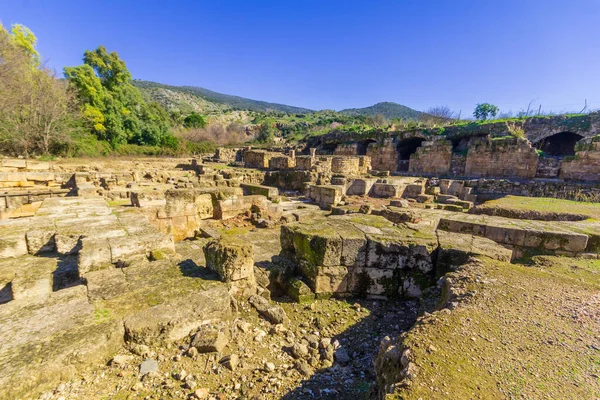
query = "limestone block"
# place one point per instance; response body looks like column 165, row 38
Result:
column 14, row 246
column 510, row 236
column 269, row 192
column 209, row 339
column 425, row 198
column 14, row 163
column 34, row 279
column 354, row 246
column 175, row 320
column 67, row 243
column 94, row 252
column 317, row 244
column 230, row 257
column 38, row 165
column 456, row 248
column 330, row 280
column 40, row 241
column 299, row 291
column 106, row 283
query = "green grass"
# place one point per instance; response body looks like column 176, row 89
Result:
column 527, row 332
column 546, row 204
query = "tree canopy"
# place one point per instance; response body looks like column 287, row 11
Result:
column 484, row 111
column 34, row 106
column 113, row 108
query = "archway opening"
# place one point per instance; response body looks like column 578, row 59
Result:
column 361, row 146
column 559, row 145
column 405, row 148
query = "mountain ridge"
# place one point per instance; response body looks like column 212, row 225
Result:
column 194, row 98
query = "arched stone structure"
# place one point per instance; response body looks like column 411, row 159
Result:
column 559, row 144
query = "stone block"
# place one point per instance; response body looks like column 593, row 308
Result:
column 330, row 280
column 354, row 246
column 269, row 192
column 317, row 244
column 106, row 283
column 40, row 241
column 14, row 163
column 93, row 253
column 230, row 257
column 209, row 339
column 299, row 291
column 168, row 322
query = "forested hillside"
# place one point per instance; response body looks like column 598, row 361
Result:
column 219, row 100
column 100, row 109
column 388, row 109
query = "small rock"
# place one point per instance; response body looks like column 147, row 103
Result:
column 341, row 355
column 148, row 366
column 303, row 367
column 141, row 350
column 209, row 339
column 201, row 393
column 192, row 352
column 230, row 362
column 299, row 350
column 269, row 367
column 121, row 360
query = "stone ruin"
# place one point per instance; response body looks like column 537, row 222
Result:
column 98, row 258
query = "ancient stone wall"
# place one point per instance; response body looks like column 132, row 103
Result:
column 585, row 166
column 257, row 159
column 279, row 163
column 304, row 163
column 504, row 157
column 223, row 154
column 384, row 156
column 493, row 188
column 548, row 167
column 432, row 158
column 346, row 149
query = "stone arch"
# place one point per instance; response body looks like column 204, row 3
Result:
column 405, row 148
column 362, row 145
column 559, row 144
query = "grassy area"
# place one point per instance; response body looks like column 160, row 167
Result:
column 545, row 204
column 528, row 332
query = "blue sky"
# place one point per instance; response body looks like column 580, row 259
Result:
column 339, row 54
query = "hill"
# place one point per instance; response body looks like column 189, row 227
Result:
column 204, row 100
column 388, row 109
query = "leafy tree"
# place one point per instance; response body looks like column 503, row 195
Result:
column 484, row 111
column 113, row 108
column 194, row 120
column 266, row 133
column 35, row 112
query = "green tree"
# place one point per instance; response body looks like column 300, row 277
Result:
column 113, row 108
column 267, row 132
column 194, row 120
column 35, row 107
column 484, row 111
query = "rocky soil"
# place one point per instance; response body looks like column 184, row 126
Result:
column 324, row 350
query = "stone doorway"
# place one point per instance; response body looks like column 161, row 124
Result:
column 405, row 148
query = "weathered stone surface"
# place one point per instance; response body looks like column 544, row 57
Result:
column 230, row 257
column 299, row 291
column 272, row 313
column 40, row 241
column 173, row 321
column 209, row 339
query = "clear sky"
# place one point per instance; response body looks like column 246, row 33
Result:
column 337, row 54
